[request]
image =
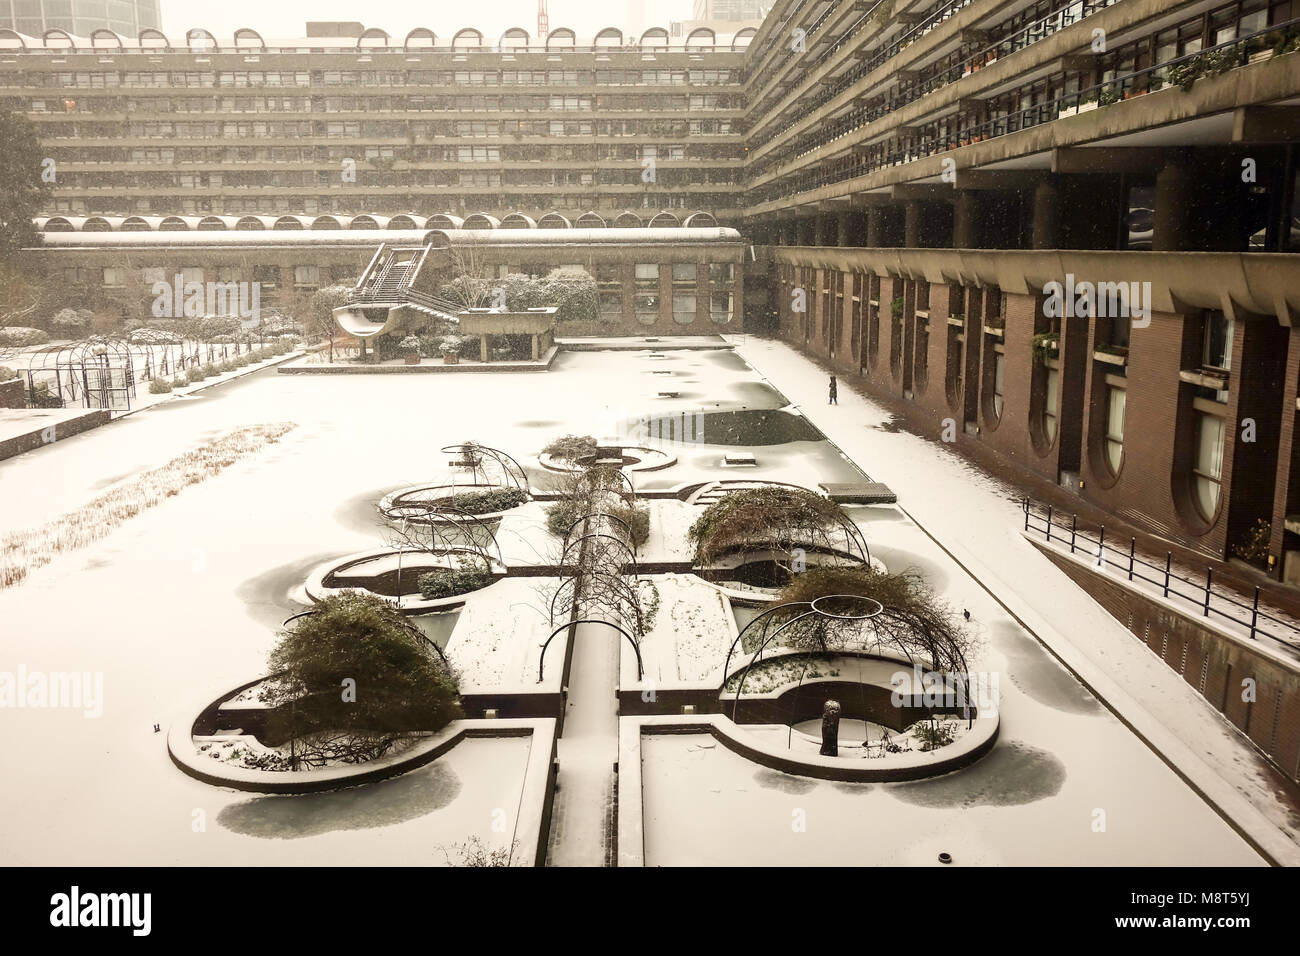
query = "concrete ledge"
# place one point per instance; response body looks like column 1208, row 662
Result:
column 859, row 493
column 434, row 367
column 22, row 429
column 688, row 343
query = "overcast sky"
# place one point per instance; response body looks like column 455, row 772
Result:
column 286, row 18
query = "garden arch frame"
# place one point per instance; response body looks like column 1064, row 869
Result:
column 541, row 664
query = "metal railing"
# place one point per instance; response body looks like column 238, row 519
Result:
column 1201, row 595
column 896, row 153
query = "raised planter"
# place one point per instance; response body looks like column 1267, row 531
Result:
column 1111, row 358
column 351, row 573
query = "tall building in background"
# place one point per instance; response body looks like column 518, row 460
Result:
column 79, row 17
column 731, row 11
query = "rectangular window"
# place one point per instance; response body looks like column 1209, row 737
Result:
column 647, row 274
column 114, row 277
column 683, row 273
column 1216, row 350
column 611, row 306
column 721, row 308
column 306, row 277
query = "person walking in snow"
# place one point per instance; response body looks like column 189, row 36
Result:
column 835, row 392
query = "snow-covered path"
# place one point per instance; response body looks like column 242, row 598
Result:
column 978, row 521
column 583, row 816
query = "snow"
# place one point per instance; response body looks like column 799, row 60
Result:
column 691, row 633
column 180, row 604
column 979, row 520
column 706, row 806
column 497, row 643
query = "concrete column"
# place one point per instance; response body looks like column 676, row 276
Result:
column 807, row 231
column 1047, row 215
column 875, row 227
column 1175, row 200
column 912, row 213
column 965, row 220
column 844, row 228
column 482, row 348
column 822, row 230
column 537, row 353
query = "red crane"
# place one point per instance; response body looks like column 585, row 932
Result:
column 543, row 24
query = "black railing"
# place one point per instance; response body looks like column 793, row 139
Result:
column 1202, row 595
column 1227, row 55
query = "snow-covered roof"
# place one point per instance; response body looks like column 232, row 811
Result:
column 419, row 39
column 233, row 238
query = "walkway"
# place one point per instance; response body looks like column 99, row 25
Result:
column 582, row 821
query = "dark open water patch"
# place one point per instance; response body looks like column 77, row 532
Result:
column 1012, row 775
column 893, row 424
column 784, row 782
column 898, row 561
column 725, row 358
column 1038, row 674
column 382, row 804
column 361, row 512
column 267, row 594
column 755, row 426
column 756, row 395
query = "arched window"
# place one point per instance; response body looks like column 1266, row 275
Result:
column 1116, row 405
column 1207, row 463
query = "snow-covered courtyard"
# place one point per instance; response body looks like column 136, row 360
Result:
column 180, row 602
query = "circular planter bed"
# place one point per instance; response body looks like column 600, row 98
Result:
column 381, row 572
column 758, row 575
column 886, row 732
column 484, row 502
column 219, row 746
column 633, row 458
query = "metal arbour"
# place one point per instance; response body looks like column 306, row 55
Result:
column 448, row 530
column 829, row 626
column 624, row 591
column 855, row 543
column 485, row 461
column 99, row 372
column 405, row 623
column 636, row 648
column 600, row 566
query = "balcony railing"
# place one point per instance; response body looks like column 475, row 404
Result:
column 1201, row 596
column 1223, row 56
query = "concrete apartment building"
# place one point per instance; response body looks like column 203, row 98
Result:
column 913, row 178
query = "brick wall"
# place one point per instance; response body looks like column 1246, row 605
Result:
column 944, row 379
column 1214, row 665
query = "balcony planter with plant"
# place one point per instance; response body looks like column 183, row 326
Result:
column 410, row 348
column 1046, row 346
column 450, row 347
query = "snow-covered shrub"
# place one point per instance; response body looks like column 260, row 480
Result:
column 151, row 336
column 25, row 550
column 453, row 581
column 159, row 386
column 21, row 336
